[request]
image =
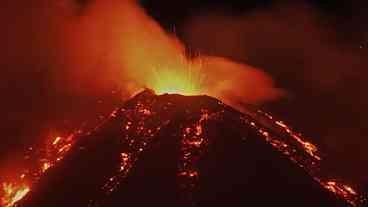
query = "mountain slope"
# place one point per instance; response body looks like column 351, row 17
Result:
column 174, row 150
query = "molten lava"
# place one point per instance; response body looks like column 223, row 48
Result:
column 12, row 194
column 44, row 158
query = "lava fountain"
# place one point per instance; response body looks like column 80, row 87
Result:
column 185, row 82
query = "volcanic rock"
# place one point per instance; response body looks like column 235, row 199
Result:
column 174, row 150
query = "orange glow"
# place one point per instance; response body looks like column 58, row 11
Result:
column 55, row 150
column 65, row 148
column 141, row 54
column 310, row 148
column 176, row 82
column 57, row 140
column 45, row 166
column 342, row 190
column 13, row 194
column 125, row 158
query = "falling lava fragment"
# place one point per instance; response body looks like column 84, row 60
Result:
column 174, row 150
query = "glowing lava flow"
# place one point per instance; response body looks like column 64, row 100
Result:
column 194, row 143
column 301, row 152
column 141, row 123
column 46, row 157
column 12, row 194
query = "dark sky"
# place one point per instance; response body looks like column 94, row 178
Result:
column 315, row 50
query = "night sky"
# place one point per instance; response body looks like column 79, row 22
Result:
column 315, row 50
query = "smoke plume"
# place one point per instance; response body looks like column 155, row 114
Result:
column 118, row 43
column 62, row 61
column 317, row 58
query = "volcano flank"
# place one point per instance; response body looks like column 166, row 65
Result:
column 174, row 150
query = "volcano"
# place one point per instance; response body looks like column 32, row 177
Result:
column 174, row 150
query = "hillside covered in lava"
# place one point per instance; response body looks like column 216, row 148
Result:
column 174, row 150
